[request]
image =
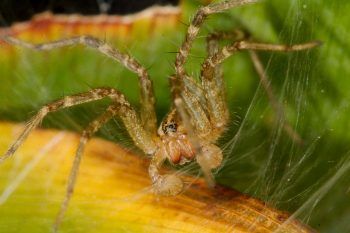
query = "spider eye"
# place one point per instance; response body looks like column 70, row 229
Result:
column 171, row 127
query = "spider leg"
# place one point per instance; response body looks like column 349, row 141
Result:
column 195, row 25
column 148, row 115
column 92, row 128
column 193, row 104
column 237, row 46
column 210, row 64
column 213, row 82
column 140, row 136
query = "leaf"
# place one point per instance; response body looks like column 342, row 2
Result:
column 113, row 193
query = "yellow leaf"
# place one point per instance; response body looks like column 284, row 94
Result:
column 113, row 193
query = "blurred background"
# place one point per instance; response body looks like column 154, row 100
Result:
column 309, row 180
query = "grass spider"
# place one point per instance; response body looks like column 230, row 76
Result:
column 197, row 118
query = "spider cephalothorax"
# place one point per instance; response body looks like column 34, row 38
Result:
column 197, row 119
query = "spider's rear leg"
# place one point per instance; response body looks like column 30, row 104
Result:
column 148, row 115
column 216, row 59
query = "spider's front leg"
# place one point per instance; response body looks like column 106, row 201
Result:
column 196, row 24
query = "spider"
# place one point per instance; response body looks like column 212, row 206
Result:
column 199, row 112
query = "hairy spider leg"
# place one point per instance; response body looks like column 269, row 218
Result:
column 217, row 58
column 237, row 46
column 196, row 24
column 148, row 114
column 195, row 105
column 213, row 83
